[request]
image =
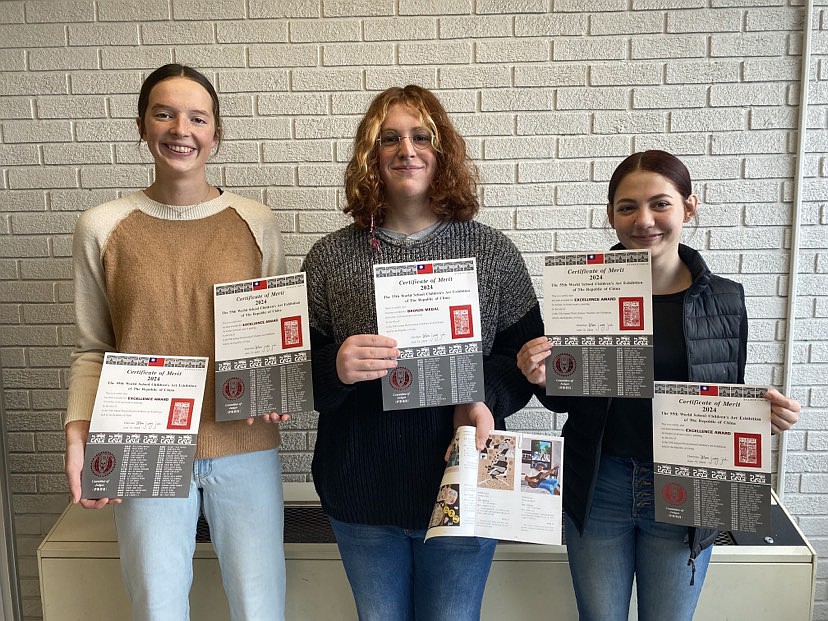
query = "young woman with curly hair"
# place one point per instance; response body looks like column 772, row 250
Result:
column 411, row 191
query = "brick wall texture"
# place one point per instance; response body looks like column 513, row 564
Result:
column 550, row 96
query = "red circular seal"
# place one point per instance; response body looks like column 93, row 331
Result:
column 233, row 388
column 564, row 364
column 102, row 463
column 400, row 378
column 674, row 494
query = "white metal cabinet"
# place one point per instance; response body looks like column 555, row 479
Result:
column 80, row 578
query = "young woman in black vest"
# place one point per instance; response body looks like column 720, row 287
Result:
column 700, row 335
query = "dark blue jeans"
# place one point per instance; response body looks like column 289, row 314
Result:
column 395, row 575
column 622, row 540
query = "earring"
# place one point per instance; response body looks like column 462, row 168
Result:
column 375, row 244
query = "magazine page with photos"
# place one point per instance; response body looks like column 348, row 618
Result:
column 511, row 490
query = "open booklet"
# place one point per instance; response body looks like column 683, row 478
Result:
column 511, row 490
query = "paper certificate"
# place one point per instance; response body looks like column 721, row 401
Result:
column 142, row 438
column 598, row 315
column 511, row 490
column 433, row 311
column 711, row 453
column 263, row 358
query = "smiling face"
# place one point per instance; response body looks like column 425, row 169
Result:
column 179, row 126
column 648, row 212
column 406, row 171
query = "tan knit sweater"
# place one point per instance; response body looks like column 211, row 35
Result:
column 144, row 276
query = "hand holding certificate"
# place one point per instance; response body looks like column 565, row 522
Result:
column 598, row 315
column 263, row 353
column 142, row 438
column 711, row 453
column 432, row 310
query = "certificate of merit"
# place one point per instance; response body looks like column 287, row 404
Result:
column 597, row 309
column 711, row 453
column 142, row 438
column 263, row 357
column 432, row 309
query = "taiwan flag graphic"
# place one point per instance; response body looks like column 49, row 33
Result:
column 595, row 259
column 258, row 285
column 156, row 362
column 708, row 391
column 425, row 268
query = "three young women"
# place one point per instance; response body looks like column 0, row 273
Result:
column 144, row 269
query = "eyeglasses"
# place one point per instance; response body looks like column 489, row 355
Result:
column 390, row 141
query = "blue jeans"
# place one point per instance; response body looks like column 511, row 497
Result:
column 243, row 503
column 622, row 539
column 394, row 574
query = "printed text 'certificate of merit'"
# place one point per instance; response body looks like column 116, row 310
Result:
column 433, row 311
column 597, row 309
column 263, row 357
column 142, row 438
column 711, row 453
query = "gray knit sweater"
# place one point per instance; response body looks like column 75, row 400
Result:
column 375, row 467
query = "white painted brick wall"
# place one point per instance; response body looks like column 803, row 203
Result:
column 177, row 33
column 593, row 99
column 551, row 75
column 702, row 72
column 104, row 35
column 80, row 107
column 707, row 120
column 704, row 20
column 638, row 73
column 605, row 48
column 358, row 54
column 260, row 31
column 631, row 23
column 130, row 11
column 551, row 96
column 528, row 50
column 285, row 8
column 219, row 57
column 674, row 46
column 104, row 83
column 551, row 25
column 475, row 27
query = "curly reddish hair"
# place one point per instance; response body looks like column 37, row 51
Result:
column 453, row 193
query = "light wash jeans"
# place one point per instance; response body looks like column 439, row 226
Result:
column 622, row 539
column 395, row 575
column 244, row 505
